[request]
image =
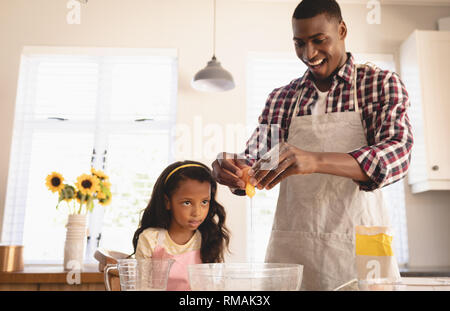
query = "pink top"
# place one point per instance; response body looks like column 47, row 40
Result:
column 178, row 275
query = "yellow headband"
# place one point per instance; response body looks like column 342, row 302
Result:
column 180, row 167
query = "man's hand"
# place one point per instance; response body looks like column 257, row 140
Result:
column 227, row 170
column 285, row 160
column 281, row 162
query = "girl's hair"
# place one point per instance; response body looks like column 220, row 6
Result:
column 215, row 235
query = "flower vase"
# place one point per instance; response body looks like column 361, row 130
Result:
column 75, row 243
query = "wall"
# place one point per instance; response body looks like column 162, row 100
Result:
column 242, row 26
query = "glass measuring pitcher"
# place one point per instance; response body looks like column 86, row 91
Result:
column 140, row 274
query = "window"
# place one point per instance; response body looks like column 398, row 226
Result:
column 394, row 194
column 76, row 107
column 267, row 71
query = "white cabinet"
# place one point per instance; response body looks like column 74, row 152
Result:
column 425, row 70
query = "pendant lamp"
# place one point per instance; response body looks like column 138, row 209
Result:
column 213, row 78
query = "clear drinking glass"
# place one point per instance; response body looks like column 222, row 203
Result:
column 141, row 274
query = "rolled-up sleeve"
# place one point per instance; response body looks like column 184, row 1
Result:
column 386, row 158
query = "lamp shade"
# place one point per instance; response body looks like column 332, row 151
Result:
column 213, row 78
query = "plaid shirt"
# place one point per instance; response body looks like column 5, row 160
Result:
column 382, row 101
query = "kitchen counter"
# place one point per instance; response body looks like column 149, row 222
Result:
column 407, row 284
column 52, row 277
column 425, row 284
column 425, row 272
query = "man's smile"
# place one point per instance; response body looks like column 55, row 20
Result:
column 316, row 65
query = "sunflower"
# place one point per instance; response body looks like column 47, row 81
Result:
column 106, row 183
column 81, row 198
column 87, row 184
column 99, row 174
column 54, row 182
column 68, row 193
column 101, row 195
column 78, row 196
column 105, row 201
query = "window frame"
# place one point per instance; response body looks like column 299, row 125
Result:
column 100, row 126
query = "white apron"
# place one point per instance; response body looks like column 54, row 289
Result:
column 316, row 214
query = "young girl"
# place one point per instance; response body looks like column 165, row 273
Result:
column 183, row 221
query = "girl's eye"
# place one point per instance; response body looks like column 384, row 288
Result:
column 186, row 203
column 205, row 202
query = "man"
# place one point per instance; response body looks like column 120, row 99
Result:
column 344, row 134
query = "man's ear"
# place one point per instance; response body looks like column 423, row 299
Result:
column 342, row 30
column 167, row 202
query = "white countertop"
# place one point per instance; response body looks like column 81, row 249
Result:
column 426, row 284
column 407, row 284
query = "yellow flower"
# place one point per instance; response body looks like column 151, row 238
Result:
column 87, row 184
column 105, row 201
column 99, row 174
column 104, row 194
column 81, row 198
column 101, row 195
column 68, row 193
column 78, row 196
column 54, row 182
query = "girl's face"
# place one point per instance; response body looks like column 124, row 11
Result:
column 189, row 204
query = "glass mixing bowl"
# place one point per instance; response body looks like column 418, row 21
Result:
column 245, row 277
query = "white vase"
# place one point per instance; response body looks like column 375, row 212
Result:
column 75, row 244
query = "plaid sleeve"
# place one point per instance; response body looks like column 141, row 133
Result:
column 386, row 159
column 269, row 131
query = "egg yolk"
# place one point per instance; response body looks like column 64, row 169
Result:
column 249, row 188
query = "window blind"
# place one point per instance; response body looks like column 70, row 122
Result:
column 265, row 72
column 78, row 107
column 394, row 194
